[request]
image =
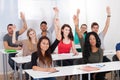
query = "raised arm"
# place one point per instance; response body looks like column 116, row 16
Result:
column 57, row 24
column 24, row 28
column 107, row 21
column 76, row 23
column 14, row 34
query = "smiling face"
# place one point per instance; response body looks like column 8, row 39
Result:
column 10, row 29
column 66, row 31
column 83, row 28
column 95, row 28
column 44, row 45
column 43, row 27
column 31, row 34
column 92, row 40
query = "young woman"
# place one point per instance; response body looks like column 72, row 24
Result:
column 29, row 45
column 41, row 59
column 66, row 43
column 92, row 53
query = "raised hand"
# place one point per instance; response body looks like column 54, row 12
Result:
column 76, row 20
column 78, row 12
column 22, row 16
column 56, row 9
column 108, row 10
column 14, row 28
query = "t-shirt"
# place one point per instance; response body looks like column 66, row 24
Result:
column 9, row 39
column 117, row 46
column 26, row 50
column 49, row 35
column 96, row 57
column 101, row 36
column 64, row 48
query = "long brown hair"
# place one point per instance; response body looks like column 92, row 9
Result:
column 46, row 59
column 30, row 44
column 70, row 35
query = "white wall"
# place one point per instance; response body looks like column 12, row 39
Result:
column 96, row 12
column 38, row 10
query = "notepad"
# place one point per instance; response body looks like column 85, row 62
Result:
column 89, row 68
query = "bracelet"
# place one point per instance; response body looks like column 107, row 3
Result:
column 108, row 15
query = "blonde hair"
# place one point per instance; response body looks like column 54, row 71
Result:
column 30, row 44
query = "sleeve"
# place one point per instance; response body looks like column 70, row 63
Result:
column 54, row 45
column 82, row 43
column 5, row 38
column 34, row 59
column 101, row 55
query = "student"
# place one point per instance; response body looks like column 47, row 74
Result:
column 95, row 27
column 117, row 56
column 92, row 53
column 66, row 43
column 118, row 51
column 29, row 45
column 41, row 59
column 7, row 40
column 45, row 32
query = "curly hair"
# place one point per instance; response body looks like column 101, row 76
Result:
column 87, row 45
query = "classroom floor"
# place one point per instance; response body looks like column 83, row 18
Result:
column 10, row 77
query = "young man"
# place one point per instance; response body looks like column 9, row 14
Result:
column 45, row 32
column 7, row 40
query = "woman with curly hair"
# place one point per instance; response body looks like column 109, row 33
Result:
column 92, row 53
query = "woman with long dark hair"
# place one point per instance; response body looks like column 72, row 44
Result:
column 92, row 53
column 41, row 59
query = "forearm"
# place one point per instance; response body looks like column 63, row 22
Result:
column 14, row 38
column 80, row 35
column 9, row 47
column 37, row 68
column 106, row 25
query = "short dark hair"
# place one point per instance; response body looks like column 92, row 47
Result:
column 9, row 25
column 94, row 24
column 43, row 22
column 84, row 25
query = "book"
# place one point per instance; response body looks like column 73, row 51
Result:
column 10, row 51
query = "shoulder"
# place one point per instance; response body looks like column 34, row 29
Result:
column 118, row 47
column 6, row 36
column 100, row 50
column 34, row 54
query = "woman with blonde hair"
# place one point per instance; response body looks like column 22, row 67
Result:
column 29, row 45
